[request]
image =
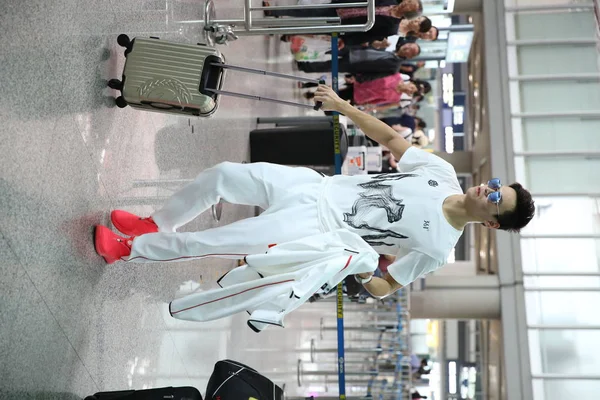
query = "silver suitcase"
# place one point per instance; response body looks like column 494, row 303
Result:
column 179, row 78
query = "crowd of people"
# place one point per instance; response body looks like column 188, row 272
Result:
column 379, row 76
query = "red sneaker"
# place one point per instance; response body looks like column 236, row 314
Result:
column 110, row 245
column 132, row 225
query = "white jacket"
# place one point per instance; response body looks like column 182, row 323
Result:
column 274, row 284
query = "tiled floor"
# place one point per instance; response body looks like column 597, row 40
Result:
column 70, row 324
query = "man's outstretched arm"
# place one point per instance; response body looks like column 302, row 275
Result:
column 371, row 126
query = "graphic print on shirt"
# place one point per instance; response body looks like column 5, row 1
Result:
column 376, row 196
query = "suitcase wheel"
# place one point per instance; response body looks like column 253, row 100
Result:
column 120, row 102
column 123, row 40
column 115, row 84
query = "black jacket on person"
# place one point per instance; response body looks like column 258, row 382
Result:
column 405, row 120
column 384, row 26
column 368, row 63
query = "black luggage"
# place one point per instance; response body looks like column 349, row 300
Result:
column 170, row 393
column 310, row 145
column 232, row 380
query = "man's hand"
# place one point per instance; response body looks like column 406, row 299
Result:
column 380, row 287
column 365, row 275
column 331, row 101
column 380, row 44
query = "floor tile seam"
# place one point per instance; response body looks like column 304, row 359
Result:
column 14, row 253
column 47, row 306
column 179, row 354
column 87, row 149
column 89, row 152
column 158, row 306
column 42, row 196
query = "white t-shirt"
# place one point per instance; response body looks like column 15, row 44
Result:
column 398, row 213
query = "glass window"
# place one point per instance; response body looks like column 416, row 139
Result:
column 557, row 59
column 563, row 175
column 560, row 255
column 565, row 351
column 563, row 308
column 565, row 216
column 560, row 24
column 432, row 7
column 565, row 389
column 560, row 96
column 542, row 282
column 560, row 133
column 433, row 49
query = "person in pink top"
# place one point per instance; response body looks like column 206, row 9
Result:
column 383, row 90
column 386, row 90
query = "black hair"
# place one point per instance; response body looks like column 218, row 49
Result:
column 421, row 124
column 425, row 25
column 524, row 211
column 426, row 85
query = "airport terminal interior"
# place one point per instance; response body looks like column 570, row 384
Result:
column 515, row 95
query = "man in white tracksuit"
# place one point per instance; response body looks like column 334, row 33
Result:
column 417, row 214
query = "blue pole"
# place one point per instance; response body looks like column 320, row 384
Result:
column 338, row 171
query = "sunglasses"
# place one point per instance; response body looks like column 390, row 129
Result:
column 496, row 196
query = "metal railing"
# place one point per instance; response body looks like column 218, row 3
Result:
column 378, row 360
column 221, row 31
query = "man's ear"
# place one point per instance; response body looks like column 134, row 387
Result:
column 491, row 224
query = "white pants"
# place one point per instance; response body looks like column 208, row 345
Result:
column 289, row 195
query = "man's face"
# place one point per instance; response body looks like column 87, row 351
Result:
column 479, row 205
column 408, row 88
column 431, row 34
column 407, row 6
column 397, row 12
column 409, row 50
column 415, row 24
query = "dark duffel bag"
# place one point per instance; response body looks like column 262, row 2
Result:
column 232, row 380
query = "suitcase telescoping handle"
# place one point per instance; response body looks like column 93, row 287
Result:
column 317, row 106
